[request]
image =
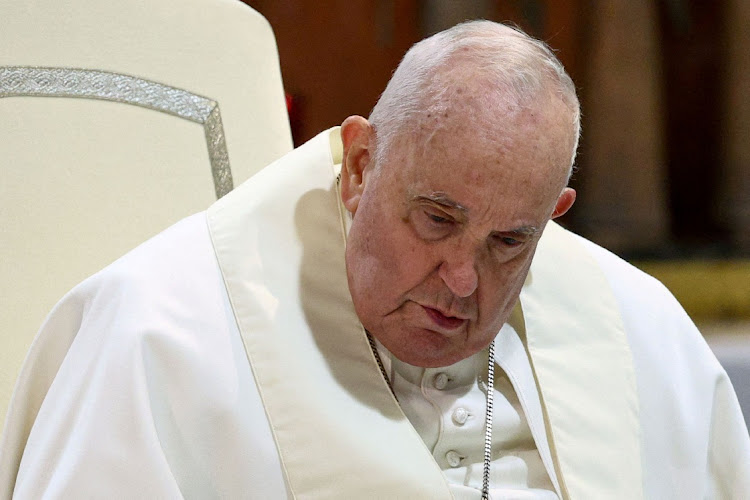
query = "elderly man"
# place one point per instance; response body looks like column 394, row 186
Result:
column 377, row 315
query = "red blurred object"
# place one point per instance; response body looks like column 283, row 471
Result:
column 289, row 103
column 294, row 105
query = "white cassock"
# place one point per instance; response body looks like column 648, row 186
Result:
column 223, row 359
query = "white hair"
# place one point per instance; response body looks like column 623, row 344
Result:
column 517, row 65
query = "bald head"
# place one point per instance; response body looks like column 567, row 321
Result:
column 450, row 183
column 481, row 68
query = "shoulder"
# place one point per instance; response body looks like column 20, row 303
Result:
column 630, row 284
column 170, row 260
column 160, row 306
column 149, row 355
column 657, row 326
column 637, row 295
column 168, row 284
column 686, row 406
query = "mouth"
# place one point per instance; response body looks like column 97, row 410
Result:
column 449, row 323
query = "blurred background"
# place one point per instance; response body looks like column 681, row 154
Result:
column 663, row 172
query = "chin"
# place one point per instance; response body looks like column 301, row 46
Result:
column 428, row 349
column 424, row 360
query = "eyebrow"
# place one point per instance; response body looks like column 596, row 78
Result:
column 440, row 198
column 523, row 230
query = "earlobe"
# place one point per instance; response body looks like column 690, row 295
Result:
column 355, row 136
column 564, row 202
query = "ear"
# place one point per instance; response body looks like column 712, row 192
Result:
column 356, row 133
column 564, row 202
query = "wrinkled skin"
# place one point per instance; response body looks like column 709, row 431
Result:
column 444, row 230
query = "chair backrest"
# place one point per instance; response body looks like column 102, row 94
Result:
column 116, row 120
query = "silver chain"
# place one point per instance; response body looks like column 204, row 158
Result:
column 380, row 363
column 488, row 423
column 487, row 415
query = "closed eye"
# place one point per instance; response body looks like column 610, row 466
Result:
column 437, row 218
column 508, row 241
column 431, row 223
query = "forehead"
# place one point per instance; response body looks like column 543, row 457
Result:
column 520, row 158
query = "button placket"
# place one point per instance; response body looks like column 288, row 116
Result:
column 436, row 386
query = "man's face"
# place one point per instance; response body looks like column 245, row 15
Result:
column 444, row 231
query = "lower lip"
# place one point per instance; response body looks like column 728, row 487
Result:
column 446, row 322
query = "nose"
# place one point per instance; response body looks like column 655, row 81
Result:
column 459, row 274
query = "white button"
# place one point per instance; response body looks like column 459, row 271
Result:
column 440, row 381
column 460, row 415
column 453, row 458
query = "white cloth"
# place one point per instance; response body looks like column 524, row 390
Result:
column 151, row 394
column 447, row 408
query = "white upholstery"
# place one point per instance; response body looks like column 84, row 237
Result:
column 84, row 180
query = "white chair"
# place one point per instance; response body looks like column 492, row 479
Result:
column 116, row 120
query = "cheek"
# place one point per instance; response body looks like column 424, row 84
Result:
column 385, row 265
column 399, row 262
column 372, row 260
column 501, row 290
